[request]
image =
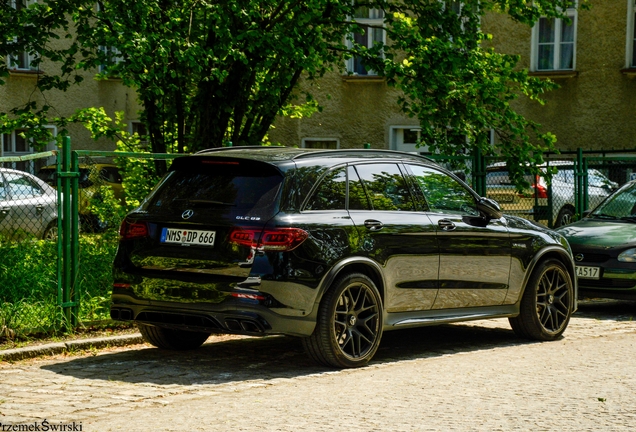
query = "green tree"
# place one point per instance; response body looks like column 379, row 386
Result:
column 211, row 71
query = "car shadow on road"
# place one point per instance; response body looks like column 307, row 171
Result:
column 276, row 357
column 607, row 309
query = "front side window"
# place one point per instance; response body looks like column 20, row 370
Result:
column 554, row 43
column 370, row 32
column 22, row 187
column 386, row 187
column 443, row 193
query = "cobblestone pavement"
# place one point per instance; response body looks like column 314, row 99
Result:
column 464, row 377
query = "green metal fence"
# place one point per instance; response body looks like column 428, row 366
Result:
column 60, row 213
column 58, row 279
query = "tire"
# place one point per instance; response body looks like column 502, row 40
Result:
column 349, row 324
column 50, row 233
column 546, row 305
column 565, row 217
column 179, row 340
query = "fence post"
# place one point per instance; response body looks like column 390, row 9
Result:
column 578, row 189
column 68, row 175
column 479, row 172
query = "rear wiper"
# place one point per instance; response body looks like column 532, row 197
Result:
column 209, row 202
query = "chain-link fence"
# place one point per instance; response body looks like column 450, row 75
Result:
column 31, row 299
column 550, row 197
column 109, row 184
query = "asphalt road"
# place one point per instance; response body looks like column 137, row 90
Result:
column 464, row 377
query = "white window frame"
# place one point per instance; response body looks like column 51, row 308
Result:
column 305, row 140
column 376, row 22
column 630, row 56
column 26, row 58
column 30, row 150
column 115, row 56
column 396, row 139
column 572, row 13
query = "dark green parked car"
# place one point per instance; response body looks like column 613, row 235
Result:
column 604, row 247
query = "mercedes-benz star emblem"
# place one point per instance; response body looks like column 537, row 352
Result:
column 187, row 214
column 578, row 257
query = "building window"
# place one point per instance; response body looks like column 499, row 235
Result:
column 321, row 143
column 371, row 32
column 21, row 60
column 14, row 144
column 631, row 34
column 111, row 56
column 554, row 43
column 405, row 138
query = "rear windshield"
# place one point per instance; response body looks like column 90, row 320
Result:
column 244, row 188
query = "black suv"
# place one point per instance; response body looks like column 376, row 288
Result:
column 334, row 247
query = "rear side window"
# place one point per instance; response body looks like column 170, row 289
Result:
column 386, row 186
column 242, row 188
column 331, row 192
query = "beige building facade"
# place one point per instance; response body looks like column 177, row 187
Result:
column 592, row 58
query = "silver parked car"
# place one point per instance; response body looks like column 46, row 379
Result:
column 27, row 206
column 500, row 188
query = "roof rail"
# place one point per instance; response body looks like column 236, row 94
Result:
column 364, row 151
column 216, row 149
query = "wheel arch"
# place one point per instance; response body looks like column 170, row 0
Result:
column 366, row 266
column 553, row 252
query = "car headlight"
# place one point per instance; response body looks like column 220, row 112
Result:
column 628, row 256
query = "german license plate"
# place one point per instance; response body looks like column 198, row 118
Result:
column 187, row 237
column 584, row 272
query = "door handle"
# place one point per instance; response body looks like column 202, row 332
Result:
column 39, row 209
column 373, row 225
column 4, row 210
column 446, row 225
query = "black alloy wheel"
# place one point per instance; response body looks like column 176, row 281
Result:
column 349, row 326
column 546, row 305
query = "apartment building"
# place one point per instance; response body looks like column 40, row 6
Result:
column 592, row 56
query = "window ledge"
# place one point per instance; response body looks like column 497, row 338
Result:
column 25, row 72
column 555, row 74
column 363, row 78
column 629, row 72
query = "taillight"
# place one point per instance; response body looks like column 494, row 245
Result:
column 282, row 239
column 131, row 230
column 539, row 188
column 276, row 239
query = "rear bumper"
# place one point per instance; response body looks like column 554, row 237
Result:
column 236, row 316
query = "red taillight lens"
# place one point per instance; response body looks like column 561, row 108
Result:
column 539, row 188
column 243, row 237
column 282, row 239
column 277, row 239
column 130, row 230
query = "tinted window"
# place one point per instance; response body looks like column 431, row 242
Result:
column 443, row 193
column 386, row 187
column 248, row 188
column 358, row 199
column 331, row 192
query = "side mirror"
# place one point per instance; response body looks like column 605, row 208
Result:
column 489, row 207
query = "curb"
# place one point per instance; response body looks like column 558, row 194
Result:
column 72, row 345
